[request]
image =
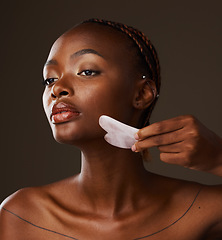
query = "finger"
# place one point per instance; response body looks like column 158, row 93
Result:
column 161, row 140
column 187, row 146
column 176, row 158
column 165, row 126
column 172, row 148
column 171, row 158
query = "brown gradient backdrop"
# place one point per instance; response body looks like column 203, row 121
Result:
column 187, row 35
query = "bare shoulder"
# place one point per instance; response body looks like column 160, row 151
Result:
column 213, row 191
column 28, row 207
column 204, row 203
column 210, row 201
column 206, row 207
column 207, row 197
column 23, row 199
column 18, row 208
column 35, row 199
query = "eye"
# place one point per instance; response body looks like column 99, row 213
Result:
column 88, row 72
column 49, row 81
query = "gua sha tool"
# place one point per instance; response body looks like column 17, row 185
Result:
column 118, row 133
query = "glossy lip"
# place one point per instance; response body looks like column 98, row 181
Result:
column 63, row 107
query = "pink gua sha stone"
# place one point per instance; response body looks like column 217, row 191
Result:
column 118, row 133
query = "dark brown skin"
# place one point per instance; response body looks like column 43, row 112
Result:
column 113, row 197
column 185, row 141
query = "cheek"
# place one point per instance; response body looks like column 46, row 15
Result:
column 108, row 99
column 46, row 102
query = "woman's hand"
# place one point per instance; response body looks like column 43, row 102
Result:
column 184, row 141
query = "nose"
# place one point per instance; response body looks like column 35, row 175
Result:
column 61, row 89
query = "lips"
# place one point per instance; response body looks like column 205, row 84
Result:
column 62, row 112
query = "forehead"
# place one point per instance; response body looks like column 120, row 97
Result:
column 110, row 43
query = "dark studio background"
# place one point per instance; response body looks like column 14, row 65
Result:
column 187, row 36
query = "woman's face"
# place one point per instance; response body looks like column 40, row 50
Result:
column 90, row 71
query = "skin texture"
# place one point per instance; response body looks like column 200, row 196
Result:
column 185, row 141
column 113, row 197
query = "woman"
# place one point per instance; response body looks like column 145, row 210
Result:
column 97, row 68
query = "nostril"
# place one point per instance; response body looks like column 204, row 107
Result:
column 64, row 93
column 53, row 95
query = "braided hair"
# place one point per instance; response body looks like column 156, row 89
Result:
column 146, row 52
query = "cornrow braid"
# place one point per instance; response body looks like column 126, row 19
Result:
column 147, row 53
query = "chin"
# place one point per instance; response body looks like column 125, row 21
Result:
column 66, row 137
column 73, row 135
column 63, row 140
column 64, row 133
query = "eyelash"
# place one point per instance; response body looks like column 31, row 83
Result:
column 87, row 72
column 48, row 81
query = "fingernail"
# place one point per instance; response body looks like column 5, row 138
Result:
column 133, row 148
column 136, row 136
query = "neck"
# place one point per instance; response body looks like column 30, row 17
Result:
column 111, row 178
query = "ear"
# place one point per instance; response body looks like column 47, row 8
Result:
column 145, row 93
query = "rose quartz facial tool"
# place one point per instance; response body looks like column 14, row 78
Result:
column 118, row 133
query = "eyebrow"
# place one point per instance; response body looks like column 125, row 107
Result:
column 76, row 54
column 51, row 62
column 85, row 51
